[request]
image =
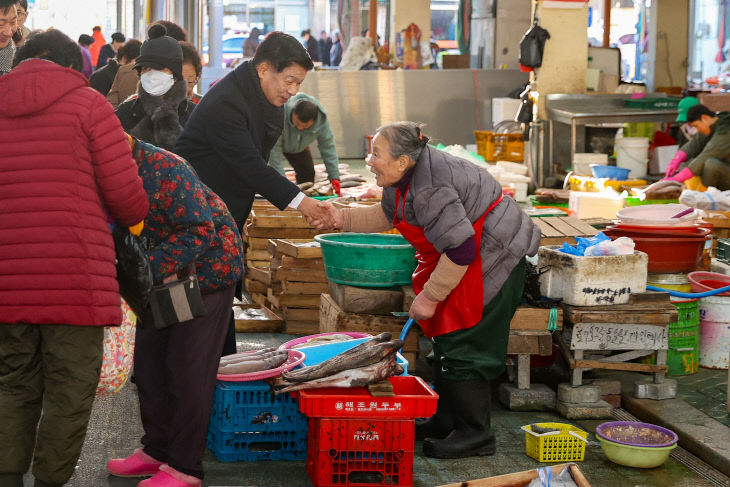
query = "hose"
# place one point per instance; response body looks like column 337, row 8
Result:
column 678, row 294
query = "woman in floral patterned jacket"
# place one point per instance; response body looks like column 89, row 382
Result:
column 175, row 367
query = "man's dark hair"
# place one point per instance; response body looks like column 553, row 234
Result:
column 305, row 32
column 695, row 113
column 173, row 30
column 281, row 50
column 129, row 50
column 52, row 45
column 24, row 4
column 86, row 40
column 192, row 56
column 6, row 5
column 305, row 110
column 118, row 37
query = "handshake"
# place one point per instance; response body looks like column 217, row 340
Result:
column 321, row 215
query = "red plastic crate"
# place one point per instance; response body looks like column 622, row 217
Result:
column 360, row 452
column 413, row 399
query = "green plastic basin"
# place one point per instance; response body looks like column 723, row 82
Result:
column 367, row 259
column 635, row 456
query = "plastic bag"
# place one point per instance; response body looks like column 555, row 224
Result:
column 620, row 246
column 547, row 479
column 134, row 272
column 532, row 45
column 116, row 365
column 582, row 244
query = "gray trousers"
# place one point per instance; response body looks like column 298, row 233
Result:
column 713, row 172
column 53, row 370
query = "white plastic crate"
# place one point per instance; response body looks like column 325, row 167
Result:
column 591, row 281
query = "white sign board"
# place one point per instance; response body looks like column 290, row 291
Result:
column 616, row 336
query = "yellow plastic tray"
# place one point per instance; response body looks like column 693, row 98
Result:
column 596, row 185
column 568, row 445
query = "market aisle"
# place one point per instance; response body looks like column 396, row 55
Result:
column 115, row 430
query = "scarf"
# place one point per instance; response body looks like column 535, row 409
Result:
column 6, row 58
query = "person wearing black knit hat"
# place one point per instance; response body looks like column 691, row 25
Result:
column 160, row 109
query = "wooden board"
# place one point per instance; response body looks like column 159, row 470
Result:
column 260, row 274
column 632, row 367
column 257, row 243
column 619, row 336
column 292, row 263
column 366, row 300
column 522, row 479
column 253, row 318
column 291, row 287
column 262, row 218
column 530, row 342
column 300, row 314
column 408, row 296
column 260, row 299
column 258, row 255
column 648, row 314
column 300, row 275
column 545, row 229
column 563, row 226
column 293, row 300
column 255, row 286
column 333, row 319
column 261, row 232
column 529, row 318
column 257, row 263
column 301, row 327
column 300, row 248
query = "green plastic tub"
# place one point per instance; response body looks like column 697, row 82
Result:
column 683, row 356
column 367, row 259
column 635, row 456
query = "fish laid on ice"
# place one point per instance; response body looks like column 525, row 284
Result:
column 364, row 354
column 356, row 377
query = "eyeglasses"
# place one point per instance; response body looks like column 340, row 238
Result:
column 22, row 13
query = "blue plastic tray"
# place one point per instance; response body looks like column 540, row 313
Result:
column 249, row 423
column 316, row 354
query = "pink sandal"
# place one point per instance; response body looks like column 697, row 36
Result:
column 138, row 464
column 169, row 477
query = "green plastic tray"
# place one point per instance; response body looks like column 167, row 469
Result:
column 635, row 201
column 367, row 259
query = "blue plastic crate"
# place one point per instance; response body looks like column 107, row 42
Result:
column 316, row 354
column 254, row 447
column 248, row 413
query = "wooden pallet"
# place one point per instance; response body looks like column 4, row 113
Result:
column 254, row 318
column 556, row 230
column 536, row 319
column 376, row 301
column 333, row 319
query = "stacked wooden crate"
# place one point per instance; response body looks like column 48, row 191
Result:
column 369, row 310
column 297, row 280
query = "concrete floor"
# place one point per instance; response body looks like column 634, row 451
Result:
column 115, row 430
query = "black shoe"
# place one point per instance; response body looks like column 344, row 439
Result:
column 472, row 434
column 440, row 424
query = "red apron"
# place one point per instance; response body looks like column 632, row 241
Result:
column 463, row 306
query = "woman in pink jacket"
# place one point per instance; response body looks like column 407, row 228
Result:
column 67, row 168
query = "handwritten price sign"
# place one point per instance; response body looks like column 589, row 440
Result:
column 613, row 336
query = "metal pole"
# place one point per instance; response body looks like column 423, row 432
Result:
column 137, row 15
column 120, row 10
column 180, row 14
column 215, row 33
column 606, row 23
column 159, row 10
column 373, row 22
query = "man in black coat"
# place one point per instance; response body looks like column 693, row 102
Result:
column 311, row 44
column 228, row 137
column 324, row 44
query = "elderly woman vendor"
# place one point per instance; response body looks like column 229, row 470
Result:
column 470, row 244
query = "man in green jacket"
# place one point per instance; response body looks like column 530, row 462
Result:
column 305, row 121
column 708, row 152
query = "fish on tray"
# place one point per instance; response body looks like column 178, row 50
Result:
column 366, row 353
column 352, row 377
column 243, row 363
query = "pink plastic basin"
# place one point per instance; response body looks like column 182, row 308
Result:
column 297, row 341
column 707, row 281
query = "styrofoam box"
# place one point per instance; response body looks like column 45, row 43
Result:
column 591, row 281
column 520, row 191
column 662, row 157
column 595, row 205
column 504, row 109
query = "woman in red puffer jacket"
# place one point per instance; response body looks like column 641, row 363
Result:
column 65, row 166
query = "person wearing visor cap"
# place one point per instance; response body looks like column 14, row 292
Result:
column 161, row 108
column 707, row 154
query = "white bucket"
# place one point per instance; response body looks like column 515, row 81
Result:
column 633, row 153
column 714, row 331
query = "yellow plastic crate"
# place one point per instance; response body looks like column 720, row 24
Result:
column 569, row 445
column 500, row 147
column 596, row 185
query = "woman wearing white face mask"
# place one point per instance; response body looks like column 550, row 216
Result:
column 159, row 110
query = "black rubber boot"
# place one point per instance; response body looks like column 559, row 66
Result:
column 472, row 434
column 440, row 424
